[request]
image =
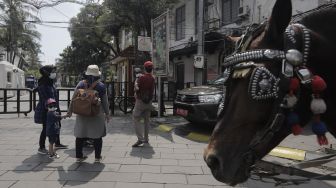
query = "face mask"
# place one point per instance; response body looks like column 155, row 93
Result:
column 52, row 108
column 52, row 76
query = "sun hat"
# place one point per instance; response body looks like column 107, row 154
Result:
column 93, row 70
column 148, row 64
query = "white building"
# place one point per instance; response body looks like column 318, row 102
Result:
column 221, row 18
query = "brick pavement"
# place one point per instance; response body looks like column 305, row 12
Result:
column 171, row 161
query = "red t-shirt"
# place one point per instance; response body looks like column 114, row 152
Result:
column 146, row 83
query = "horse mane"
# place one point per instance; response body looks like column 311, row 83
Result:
column 323, row 23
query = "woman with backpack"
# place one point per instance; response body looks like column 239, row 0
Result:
column 91, row 126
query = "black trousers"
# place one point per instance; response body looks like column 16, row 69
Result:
column 97, row 144
column 43, row 137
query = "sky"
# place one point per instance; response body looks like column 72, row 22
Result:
column 54, row 40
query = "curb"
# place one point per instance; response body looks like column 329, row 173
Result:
column 279, row 151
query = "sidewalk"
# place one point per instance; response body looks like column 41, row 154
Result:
column 171, row 161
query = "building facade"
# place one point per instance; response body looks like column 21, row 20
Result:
column 221, row 18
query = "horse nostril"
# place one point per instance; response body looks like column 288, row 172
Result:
column 213, row 162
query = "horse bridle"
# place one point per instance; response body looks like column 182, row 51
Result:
column 263, row 84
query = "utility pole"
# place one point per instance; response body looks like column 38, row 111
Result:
column 199, row 74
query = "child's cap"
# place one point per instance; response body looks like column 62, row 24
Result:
column 51, row 101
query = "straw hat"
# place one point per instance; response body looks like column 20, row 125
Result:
column 93, row 70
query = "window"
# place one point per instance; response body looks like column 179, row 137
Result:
column 230, row 11
column 180, row 23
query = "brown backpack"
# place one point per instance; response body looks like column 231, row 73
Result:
column 86, row 101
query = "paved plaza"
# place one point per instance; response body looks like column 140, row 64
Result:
column 170, row 161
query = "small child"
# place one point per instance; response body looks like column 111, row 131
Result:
column 138, row 74
column 53, row 126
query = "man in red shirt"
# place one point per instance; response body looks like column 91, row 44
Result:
column 143, row 104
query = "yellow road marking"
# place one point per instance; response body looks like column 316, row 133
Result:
column 164, row 128
column 288, row 153
column 198, row 137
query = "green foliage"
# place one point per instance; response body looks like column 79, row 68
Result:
column 16, row 35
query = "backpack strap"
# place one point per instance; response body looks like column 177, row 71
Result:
column 93, row 84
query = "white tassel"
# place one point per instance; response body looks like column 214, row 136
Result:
column 318, row 106
column 291, row 101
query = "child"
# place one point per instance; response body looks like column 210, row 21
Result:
column 53, row 126
column 138, row 74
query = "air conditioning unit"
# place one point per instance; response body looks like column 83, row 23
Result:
column 243, row 11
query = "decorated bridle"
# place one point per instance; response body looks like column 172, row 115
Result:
column 283, row 88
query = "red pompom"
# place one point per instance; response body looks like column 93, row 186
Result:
column 296, row 129
column 318, row 84
column 294, row 84
column 322, row 140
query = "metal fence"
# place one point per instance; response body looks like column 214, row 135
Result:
column 13, row 101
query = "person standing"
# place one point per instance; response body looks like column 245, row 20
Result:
column 143, row 104
column 46, row 89
column 53, row 127
column 91, row 127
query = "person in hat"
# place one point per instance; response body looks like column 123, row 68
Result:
column 91, row 127
column 46, row 90
column 143, row 104
column 53, row 126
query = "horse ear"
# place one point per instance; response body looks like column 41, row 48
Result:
column 279, row 20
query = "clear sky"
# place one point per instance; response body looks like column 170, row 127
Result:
column 54, row 40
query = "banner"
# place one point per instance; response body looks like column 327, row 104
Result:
column 160, row 44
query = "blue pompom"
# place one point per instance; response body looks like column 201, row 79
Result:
column 292, row 119
column 319, row 128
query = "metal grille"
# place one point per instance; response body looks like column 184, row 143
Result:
column 187, row 98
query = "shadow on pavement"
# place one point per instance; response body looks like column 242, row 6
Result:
column 146, row 152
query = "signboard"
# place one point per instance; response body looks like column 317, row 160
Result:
column 160, row 44
column 144, row 43
column 199, row 61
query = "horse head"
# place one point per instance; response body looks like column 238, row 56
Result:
column 254, row 119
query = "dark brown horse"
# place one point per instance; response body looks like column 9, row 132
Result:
column 253, row 124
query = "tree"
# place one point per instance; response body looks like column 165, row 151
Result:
column 16, row 35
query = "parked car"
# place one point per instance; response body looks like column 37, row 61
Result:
column 199, row 104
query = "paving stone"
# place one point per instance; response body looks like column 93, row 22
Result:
column 206, row 170
column 164, row 178
column 18, row 166
column 181, row 169
column 84, row 184
column 192, row 162
column 186, row 186
column 159, row 162
column 203, row 180
column 5, row 184
column 173, row 145
column 140, row 154
column 98, row 167
column 56, row 166
column 63, row 175
column 38, row 184
column 138, row 185
column 11, row 151
column 193, row 151
column 177, row 156
column 25, row 175
column 140, row 168
column 118, row 176
column 128, row 160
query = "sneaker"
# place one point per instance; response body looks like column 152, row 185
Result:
column 138, row 143
column 78, row 160
column 98, row 160
column 42, row 151
column 61, row 146
column 54, row 156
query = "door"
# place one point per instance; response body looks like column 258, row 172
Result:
column 180, row 76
